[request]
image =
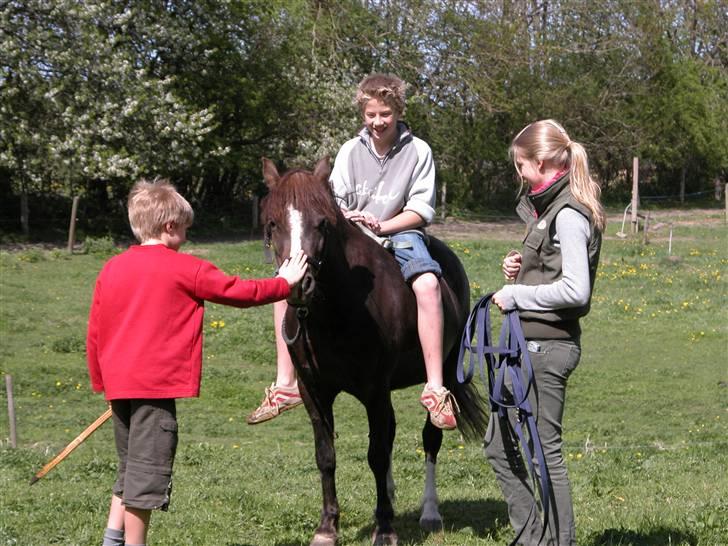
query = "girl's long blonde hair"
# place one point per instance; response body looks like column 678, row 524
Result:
column 547, row 141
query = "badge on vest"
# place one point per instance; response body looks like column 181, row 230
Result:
column 541, row 224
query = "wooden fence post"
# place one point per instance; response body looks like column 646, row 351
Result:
column 72, row 225
column 11, row 410
column 635, row 195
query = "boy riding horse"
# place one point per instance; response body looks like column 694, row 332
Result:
column 384, row 179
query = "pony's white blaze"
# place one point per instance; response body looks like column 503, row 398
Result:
column 295, row 220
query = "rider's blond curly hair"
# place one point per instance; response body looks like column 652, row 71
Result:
column 389, row 89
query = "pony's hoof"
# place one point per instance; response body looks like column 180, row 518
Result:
column 384, row 539
column 320, row 539
column 431, row 524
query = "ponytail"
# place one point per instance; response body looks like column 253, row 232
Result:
column 583, row 187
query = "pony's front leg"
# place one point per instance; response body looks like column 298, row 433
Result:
column 322, row 420
column 382, row 428
column 430, row 519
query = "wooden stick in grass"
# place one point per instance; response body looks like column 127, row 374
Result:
column 73, row 445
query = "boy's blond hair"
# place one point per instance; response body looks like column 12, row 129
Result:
column 389, row 89
column 152, row 204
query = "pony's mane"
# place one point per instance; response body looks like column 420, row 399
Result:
column 301, row 189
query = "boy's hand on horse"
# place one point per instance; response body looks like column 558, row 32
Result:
column 366, row 218
column 292, row 269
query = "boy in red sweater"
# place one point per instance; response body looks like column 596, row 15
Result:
column 144, row 345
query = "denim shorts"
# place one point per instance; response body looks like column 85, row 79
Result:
column 415, row 260
column 145, row 432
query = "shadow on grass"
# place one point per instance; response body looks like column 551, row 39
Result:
column 479, row 518
column 627, row 537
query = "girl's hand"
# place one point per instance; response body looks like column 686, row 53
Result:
column 496, row 298
column 511, row 265
column 292, row 269
column 504, row 299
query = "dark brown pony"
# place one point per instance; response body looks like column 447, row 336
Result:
column 351, row 326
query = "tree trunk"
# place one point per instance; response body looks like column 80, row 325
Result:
column 443, row 203
column 682, row 185
column 24, row 212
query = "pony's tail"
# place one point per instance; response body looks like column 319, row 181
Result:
column 474, row 415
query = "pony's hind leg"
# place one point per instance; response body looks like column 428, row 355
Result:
column 382, row 428
column 430, row 518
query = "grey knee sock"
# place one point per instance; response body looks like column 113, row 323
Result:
column 113, row 537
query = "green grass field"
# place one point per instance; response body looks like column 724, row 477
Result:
column 646, row 426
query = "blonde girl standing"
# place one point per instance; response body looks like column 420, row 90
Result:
column 553, row 281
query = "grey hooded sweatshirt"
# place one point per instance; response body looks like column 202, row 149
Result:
column 402, row 180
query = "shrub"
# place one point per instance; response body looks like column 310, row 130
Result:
column 100, row 246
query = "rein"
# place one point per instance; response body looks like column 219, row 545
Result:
column 513, row 360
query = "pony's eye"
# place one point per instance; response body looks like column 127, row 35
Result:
column 323, row 225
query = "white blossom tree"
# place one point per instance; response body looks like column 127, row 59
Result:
column 80, row 99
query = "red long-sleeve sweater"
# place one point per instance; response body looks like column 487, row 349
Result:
column 145, row 325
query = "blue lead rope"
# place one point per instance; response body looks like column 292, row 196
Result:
column 512, row 359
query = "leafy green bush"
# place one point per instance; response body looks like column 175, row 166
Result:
column 100, row 246
column 32, row 255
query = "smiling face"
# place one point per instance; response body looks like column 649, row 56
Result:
column 533, row 172
column 380, row 120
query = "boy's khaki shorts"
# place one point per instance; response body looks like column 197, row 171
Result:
column 145, row 431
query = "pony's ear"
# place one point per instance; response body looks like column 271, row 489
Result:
column 270, row 173
column 322, row 170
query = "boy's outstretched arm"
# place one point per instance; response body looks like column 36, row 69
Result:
column 292, row 269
